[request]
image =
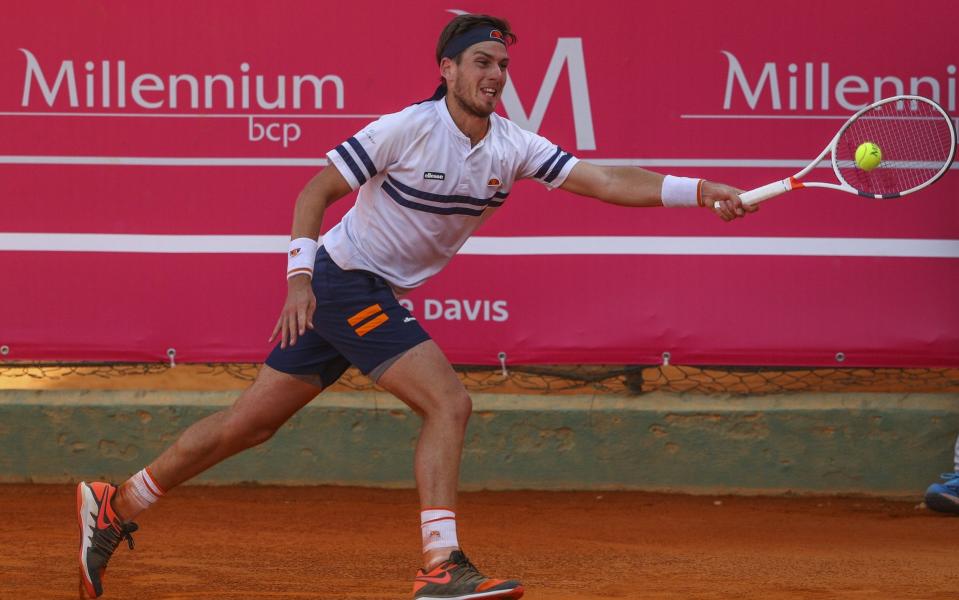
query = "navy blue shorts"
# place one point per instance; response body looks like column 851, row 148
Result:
column 357, row 321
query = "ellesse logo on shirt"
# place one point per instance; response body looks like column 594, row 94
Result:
column 434, row 175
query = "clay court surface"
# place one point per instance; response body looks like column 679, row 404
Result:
column 328, row 542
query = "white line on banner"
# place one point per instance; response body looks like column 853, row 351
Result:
column 502, row 246
column 769, row 117
column 178, row 161
column 164, row 161
column 187, row 115
column 130, row 115
column 706, row 162
column 159, row 244
column 778, row 117
column 218, row 161
column 713, row 246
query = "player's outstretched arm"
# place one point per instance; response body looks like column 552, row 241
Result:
column 632, row 186
column 325, row 188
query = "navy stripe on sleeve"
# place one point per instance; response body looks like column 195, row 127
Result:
column 559, row 167
column 543, row 169
column 361, row 152
column 345, row 155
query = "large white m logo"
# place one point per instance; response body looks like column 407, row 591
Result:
column 570, row 52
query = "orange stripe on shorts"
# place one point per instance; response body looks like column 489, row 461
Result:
column 371, row 325
column 366, row 312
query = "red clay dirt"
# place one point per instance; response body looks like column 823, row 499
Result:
column 250, row 543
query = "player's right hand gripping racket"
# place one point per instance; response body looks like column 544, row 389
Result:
column 917, row 141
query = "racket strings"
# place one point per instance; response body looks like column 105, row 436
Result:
column 915, row 139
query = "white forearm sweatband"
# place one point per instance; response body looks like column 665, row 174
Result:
column 300, row 259
column 680, row 192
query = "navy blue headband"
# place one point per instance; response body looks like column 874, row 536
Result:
column 468, row 38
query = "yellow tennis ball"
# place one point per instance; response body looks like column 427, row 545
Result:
column 868, row 156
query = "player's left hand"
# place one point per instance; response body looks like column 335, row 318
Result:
column 730, row 206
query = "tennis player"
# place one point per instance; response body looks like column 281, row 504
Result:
column 427, row 176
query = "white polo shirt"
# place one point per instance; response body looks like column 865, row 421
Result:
column 424, row 189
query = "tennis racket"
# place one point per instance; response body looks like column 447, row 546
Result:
column 917, row 140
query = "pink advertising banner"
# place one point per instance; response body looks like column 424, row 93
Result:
column 152, row 151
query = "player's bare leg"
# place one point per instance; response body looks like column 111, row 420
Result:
column 260, row 410
column 104, row 511
column 424, row 379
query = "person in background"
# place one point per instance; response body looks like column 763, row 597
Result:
column 944, row 497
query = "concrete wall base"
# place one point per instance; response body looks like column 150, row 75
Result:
column 875, row 444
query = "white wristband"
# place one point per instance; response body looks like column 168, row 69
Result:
column 682, row 192
column 300, row 259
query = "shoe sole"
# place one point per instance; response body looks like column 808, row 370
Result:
column 86, row 586
column 513, row 594
column 943, row 503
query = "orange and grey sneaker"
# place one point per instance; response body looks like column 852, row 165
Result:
column 101, row 531
column 458, row 579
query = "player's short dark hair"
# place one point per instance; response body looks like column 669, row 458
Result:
column 463, row 23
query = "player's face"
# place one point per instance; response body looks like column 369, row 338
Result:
column 479, row 78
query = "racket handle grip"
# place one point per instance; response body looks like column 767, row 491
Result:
column 766, row 192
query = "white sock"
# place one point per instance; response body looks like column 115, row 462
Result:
column 144, row 490
column 438, row 526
